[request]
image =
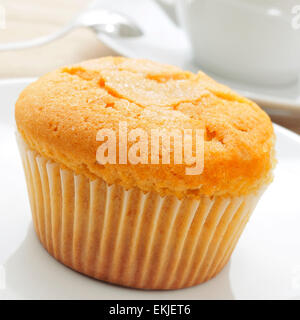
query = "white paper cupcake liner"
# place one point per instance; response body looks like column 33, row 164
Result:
column 128, row 237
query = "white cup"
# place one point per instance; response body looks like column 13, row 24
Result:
column 246, row 40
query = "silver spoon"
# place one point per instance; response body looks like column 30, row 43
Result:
column 99, row 20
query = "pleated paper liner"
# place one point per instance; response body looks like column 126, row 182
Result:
column 127, row 237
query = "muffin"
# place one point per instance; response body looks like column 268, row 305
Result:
column 140, row 224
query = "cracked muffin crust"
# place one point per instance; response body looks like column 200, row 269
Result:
column 60, row 114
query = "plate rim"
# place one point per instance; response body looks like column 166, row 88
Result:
column 5, row 81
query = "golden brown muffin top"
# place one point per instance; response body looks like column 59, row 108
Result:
column 60, row 114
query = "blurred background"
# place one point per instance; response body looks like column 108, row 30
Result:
column 28, row 19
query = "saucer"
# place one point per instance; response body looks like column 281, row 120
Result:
column 164, row 42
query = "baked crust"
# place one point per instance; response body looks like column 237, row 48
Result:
column 60, row 114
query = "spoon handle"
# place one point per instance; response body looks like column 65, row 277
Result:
column 37, row 41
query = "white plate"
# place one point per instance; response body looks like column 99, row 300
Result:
column 265, row 264
column 164, row 42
